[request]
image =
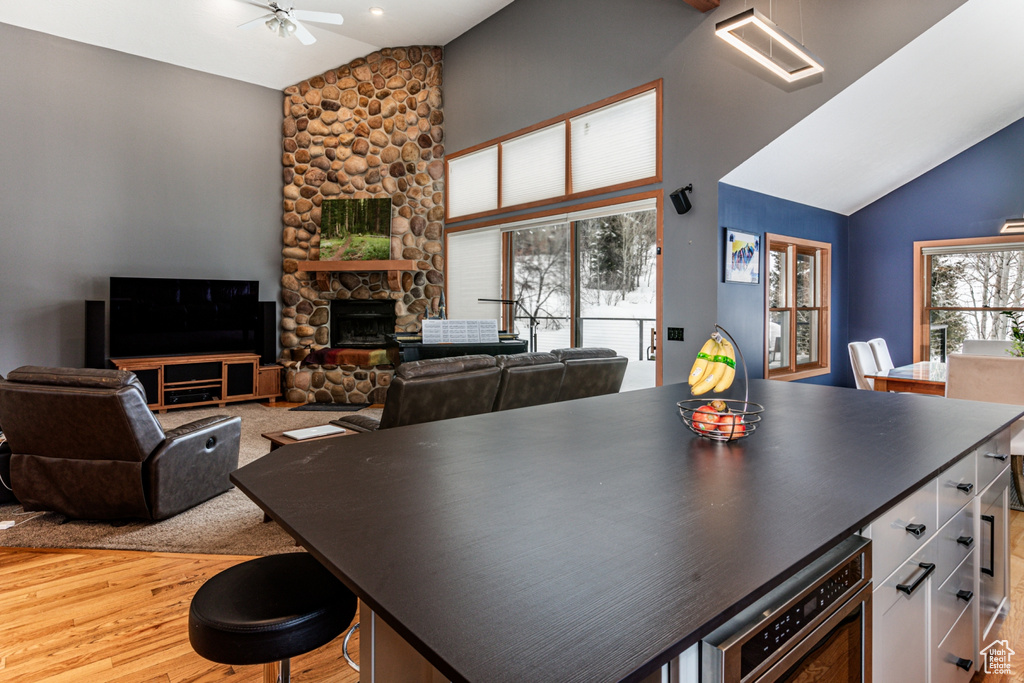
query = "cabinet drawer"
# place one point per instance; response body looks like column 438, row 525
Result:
column 899, row 644
column 954, row 542
column 957, row 487
column 952, row 598
column 891, row 539
column 954, row 658
column 993, row 458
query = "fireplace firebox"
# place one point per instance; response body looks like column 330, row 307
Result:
column 361, row 324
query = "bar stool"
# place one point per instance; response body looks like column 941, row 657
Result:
column 268, row 610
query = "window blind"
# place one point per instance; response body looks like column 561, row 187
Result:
column 533, row 166
column 473, row 182
column 615, row 144
column 474, row 272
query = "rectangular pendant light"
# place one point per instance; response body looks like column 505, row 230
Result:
column 751, row 19
column 1013, row 225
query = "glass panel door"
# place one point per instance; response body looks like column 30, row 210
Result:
column 617, row 289
column 542, row 281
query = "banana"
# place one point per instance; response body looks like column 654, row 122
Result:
column 716, row 370
column 704, row 357
column 728, row 359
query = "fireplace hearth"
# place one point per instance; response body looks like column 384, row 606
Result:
column 361, row 324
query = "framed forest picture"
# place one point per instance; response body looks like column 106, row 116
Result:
column 355, row 229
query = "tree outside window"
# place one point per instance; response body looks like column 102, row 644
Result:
column 797, row 332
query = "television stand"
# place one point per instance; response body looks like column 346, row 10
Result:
column 202, row 380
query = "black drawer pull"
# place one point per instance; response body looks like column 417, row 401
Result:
column 998, row 456
column 966, row 541
column 928, row 568
column 990, row 570
column 965, row 595
column 966, row 487
column 916, row 529
column 965, row 664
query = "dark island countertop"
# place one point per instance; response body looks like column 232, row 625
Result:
column 594, row 540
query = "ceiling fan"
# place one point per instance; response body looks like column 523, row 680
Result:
column 285, row 20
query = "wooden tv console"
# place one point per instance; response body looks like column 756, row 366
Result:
column 200, row 380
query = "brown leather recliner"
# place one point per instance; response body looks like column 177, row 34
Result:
column 528, row 379
column 433, row 389
column 590, row 372
column 85, row 445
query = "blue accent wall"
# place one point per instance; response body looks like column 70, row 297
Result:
column 971, row 195
column 741, row 306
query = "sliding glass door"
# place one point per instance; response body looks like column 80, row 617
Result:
column 591, row 282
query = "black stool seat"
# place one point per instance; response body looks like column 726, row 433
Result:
column 268, row 609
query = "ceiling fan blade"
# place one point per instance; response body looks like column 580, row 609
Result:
column 261, row 5
column 256, row 22
column 319, row 17
column 303, row 34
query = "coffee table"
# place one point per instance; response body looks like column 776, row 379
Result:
column 278, row 439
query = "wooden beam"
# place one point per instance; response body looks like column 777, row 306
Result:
column 703, row 5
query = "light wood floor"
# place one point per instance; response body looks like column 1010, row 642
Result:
column 122, row 617
column 119, row 617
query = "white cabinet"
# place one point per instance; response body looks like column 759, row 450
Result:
column 993, row 559
column 899, row 642
column 940, row 562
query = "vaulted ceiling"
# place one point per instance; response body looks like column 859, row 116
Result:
column 201, row 34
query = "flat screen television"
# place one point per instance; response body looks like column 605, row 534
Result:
column 167, row 317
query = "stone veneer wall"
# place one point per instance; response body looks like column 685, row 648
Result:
column 371, row 128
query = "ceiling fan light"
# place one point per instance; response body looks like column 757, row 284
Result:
column 376, row 11
column 273, row 23
column 289, row 26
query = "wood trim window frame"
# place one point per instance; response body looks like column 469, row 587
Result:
column 822, row 251
column 568, row 195
column 922, row 283
column 507, row 284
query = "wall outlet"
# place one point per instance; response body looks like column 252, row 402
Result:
column 674, row 333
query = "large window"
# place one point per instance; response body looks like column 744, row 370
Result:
column 561, row 159
column 963, row 287
column 797, row 338
column 585, row 278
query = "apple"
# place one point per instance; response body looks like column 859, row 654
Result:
column 731, row 426
column 705, row 419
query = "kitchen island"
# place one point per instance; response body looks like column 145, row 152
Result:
column 594, row 540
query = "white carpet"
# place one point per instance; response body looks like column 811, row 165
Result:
column 229, row 524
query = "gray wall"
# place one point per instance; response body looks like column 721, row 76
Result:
column 116, row 165
column 537, row 59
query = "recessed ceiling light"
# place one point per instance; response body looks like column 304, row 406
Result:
column 376, row 11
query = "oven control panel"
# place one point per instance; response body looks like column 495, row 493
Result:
column 774, row 636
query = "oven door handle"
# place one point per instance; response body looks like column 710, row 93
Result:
column 928, row 568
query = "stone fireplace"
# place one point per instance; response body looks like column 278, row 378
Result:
column 370, row 128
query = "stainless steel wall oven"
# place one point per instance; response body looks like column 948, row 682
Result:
column 815, row 626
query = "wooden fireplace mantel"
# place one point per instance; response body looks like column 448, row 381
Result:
column 393, row 268
column 358, row 266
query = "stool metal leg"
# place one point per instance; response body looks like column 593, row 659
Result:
column 277, row 672
column 344, row 646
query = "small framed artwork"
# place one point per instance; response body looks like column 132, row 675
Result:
column 742, row 257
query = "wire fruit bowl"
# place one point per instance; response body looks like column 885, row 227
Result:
column 748, row 414
column 709, row 423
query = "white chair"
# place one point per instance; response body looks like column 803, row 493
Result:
column 863, row 362
column 880, row 350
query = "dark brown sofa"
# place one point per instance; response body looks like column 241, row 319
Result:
column 433, row 389
column 528, row 379
column 590, row 372
column 84, row 444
